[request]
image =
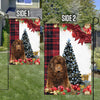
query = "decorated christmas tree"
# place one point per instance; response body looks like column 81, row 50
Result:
column 72, row 66
column 27, row 46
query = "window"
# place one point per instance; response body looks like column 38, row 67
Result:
column 24, row 2
column 20, row 1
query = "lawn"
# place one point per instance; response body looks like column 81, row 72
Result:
column 26, row 82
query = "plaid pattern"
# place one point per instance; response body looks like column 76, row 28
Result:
column 51, row 45
column 14, row 31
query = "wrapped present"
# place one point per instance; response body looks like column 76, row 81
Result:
column 36, row 54
column 82, row 86
column 85, row 77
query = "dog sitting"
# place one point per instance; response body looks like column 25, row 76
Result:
column 17, row 50
column 57, row 73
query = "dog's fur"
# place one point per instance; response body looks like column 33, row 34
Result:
column 57, row 73
column 17, row 50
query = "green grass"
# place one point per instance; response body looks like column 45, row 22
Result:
column 3, row 70
column 3, row 48
column 97, row 89
column 97, row 57
column 5, row 38
column 26, row 82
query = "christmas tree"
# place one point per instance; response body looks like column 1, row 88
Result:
column 72, row 67
column 27, row 46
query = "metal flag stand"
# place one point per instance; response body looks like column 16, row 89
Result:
column 93, row 35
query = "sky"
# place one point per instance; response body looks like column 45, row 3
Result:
column 97, row 3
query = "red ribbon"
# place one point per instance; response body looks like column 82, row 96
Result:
column 77, row 33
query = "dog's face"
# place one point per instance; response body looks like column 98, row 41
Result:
column 18, row 45
column 58, row 65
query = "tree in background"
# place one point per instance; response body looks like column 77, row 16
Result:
column 72, row 67
column 27, row 45
column 54, row 9
column 97, row 27
column 86, row 12
column 74, row 6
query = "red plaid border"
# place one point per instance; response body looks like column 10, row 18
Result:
column 51, row 45
column 14, row 31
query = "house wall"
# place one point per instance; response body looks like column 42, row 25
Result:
column 4, row 5
column 0, row 31
column 0, row 4
column 12, row 3
column 98, row 39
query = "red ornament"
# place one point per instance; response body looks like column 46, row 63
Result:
column 68, row 89
column 37, row 21
column 25, row 61
column 78, row 89
column 31, row 60
column 75, row 87
column 37, row 62
column 21, row 63
column 85, row 89
column 87, row 28
column 78, row 93
column 90, row 91
column 15, row 60
column 61, row 88
column 63, row 93
column 54, row 89
column 20, row 60
column 89, row 87
column 63, row 25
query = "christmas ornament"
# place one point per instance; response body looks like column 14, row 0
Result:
column 37, row 21
column 87, row 28
column 87, row 90
column 61, row 88
column 63, row 93
column 68, row 89
column 55, row 25
column 37, row 61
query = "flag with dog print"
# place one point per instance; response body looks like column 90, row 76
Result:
column 67, row 60
column 24, row 41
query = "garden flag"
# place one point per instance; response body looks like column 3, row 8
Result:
column 24, row 41
column 68, row 42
